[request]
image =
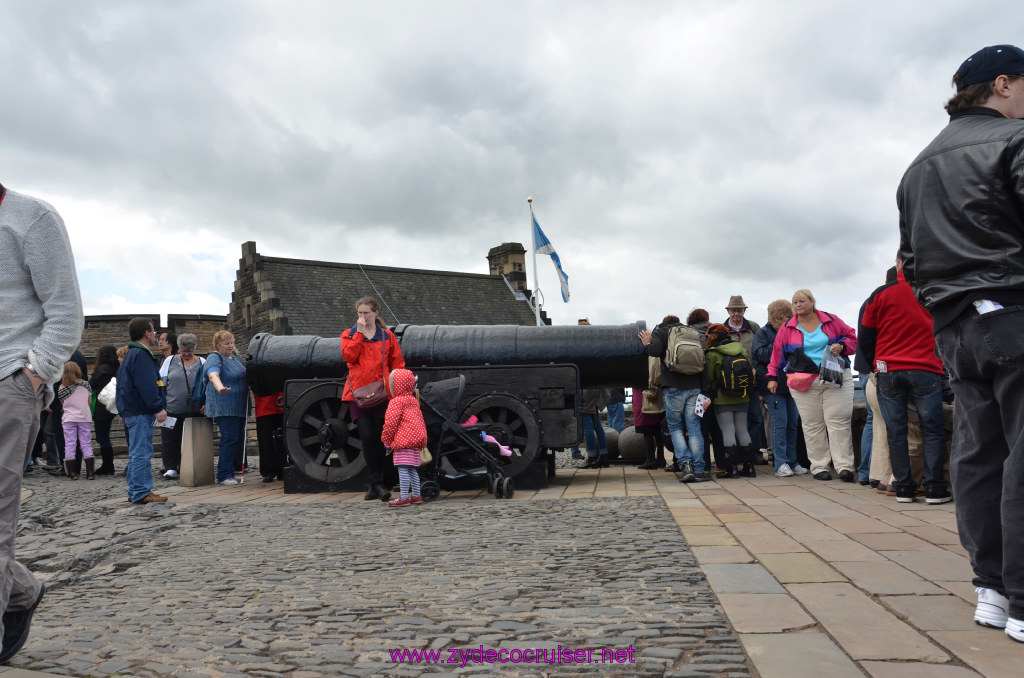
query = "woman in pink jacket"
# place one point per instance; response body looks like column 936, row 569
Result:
column 825, row 411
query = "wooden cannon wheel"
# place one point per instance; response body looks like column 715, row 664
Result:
column 321, row 440
column 509, row 418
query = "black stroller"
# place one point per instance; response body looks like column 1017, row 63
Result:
column 461, row 457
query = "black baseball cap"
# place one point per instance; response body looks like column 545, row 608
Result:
column 988, row 63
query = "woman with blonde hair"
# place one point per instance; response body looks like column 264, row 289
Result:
column 226, row 402
column 782, row 411
column 801, row 344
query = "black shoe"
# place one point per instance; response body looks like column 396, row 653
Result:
column 647, row 465
column 603, row 460
column 105, row 471
column 846, row 475
column 823, row 475
column 873, row 484
column 687, row 471
column 672, row 468
column 906, row 494
column 371, row 493
column 383, row 492
column 268, row 479
column 16, row 627
column 748, row 470
column 865, row 481
column 936, row 496
column 702, row 477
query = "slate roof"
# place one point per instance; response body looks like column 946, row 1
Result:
column 317, row 297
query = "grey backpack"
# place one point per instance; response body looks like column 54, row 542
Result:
column 685, row 351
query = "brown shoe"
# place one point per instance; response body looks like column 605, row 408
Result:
column 887, row 490
column 150, row 498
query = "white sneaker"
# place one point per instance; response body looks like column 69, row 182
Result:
column 799, row 470
column 1015, row 629
column 992, row 610
column 171, row 475
column 229, row 481
column 784, row 471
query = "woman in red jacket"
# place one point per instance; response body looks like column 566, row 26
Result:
column 371, row 352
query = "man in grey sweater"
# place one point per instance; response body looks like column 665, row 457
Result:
column 40, row 327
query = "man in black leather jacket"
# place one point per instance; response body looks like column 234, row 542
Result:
column 962, row 241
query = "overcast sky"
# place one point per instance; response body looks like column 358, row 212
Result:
column 677, row 152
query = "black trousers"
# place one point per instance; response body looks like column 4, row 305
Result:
column 272, row 458
column 984, row 355
column 370, row 429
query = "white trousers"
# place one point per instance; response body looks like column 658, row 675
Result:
column 825, row 413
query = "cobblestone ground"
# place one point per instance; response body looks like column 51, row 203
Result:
column 327, row 590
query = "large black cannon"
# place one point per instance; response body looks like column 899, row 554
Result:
column 526, row 380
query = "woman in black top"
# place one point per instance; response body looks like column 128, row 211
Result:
column 102, row 372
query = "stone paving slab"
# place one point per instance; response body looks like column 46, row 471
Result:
column 865, row 629
column 794, row 654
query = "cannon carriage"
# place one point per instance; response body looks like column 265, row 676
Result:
column 525, row 381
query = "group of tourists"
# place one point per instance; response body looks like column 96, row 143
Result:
column 718, row 383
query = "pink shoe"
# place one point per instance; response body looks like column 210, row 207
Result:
column 400, row 502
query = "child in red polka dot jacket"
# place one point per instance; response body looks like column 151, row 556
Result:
column 405, row 433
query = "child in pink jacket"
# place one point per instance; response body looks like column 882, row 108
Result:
column 405, row 433
column 74, row 394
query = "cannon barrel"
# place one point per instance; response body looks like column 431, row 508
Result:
column 606, row 355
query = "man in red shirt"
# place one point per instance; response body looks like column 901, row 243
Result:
column 895, row 338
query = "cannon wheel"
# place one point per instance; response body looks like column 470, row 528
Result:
column 319, row 437
column 519, row 422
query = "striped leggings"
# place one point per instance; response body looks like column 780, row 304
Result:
column 408, row 475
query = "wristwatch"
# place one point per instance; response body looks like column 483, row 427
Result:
column 28, row 366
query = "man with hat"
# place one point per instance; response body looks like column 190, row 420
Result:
column 742, row 330
column 961, row 208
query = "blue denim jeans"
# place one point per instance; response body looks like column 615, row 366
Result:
column 139, row 472
column 785, row 420
column 895, row 391
column 231, row 431
column 617, row 416
column 593, row 433
column 864, row 470
column 679, row 406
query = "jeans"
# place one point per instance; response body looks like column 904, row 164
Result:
column 231, row 431
column 617, row 416
column 679, row 406
column 864, row 470
column 895, row 390
column 593, row 433
column 139, row 473
column 785, row 419
column 984, row 355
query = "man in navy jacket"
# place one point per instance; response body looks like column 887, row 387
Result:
column 140, row 398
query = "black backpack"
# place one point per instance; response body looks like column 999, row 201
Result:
column 736, row 378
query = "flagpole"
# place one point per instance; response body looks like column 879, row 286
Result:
column 533, row 239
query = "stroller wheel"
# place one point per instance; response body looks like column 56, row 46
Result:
column 496, row 487
column 508, row 488
column 430, row 490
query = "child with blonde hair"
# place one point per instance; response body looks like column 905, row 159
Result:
column 74, row 394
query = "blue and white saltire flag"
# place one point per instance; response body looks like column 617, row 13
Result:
column 544, row 246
